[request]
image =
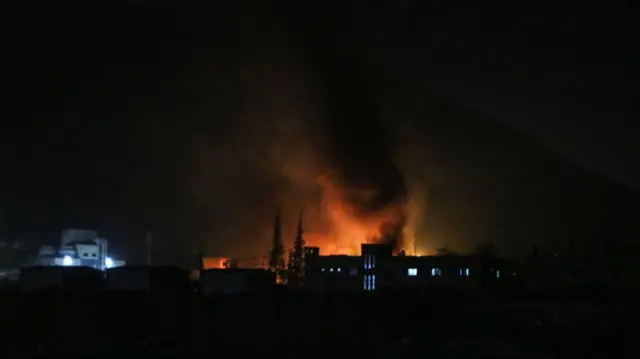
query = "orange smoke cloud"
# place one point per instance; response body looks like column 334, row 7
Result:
column 292, row 146
column 348, row 227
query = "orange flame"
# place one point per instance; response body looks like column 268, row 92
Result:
column 213, row 262
column 348, row 228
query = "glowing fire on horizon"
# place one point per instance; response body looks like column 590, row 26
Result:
column 349, row 228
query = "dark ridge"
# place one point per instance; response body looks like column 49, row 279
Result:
column 501, row 185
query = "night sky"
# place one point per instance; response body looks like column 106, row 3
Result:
column 196, row 121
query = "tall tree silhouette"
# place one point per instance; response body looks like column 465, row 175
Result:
column 276, row 255
column 296, row 267
column 290, row 264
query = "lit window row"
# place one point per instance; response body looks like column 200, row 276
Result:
column 370, row 282
column 412, row 272
column 436, row 272
column 497, row 273
column 332, row 269
column 369, row 261
column 352, row 271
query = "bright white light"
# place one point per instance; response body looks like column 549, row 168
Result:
column 108, row 262
column 67, row 261
column 412, row 272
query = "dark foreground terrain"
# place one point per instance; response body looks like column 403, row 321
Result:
column 113, row 324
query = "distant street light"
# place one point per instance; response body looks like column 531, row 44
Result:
column 67, row 261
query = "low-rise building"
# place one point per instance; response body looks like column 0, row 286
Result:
column 56, row 278
column 235, row 281
column 78, row 248
column 378, row 269
column 148, row 279
column 333, row 273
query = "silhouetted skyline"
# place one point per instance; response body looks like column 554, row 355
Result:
column 196, row 121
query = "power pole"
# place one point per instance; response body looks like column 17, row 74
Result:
column 149, row 245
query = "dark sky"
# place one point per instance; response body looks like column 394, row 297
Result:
column 563, row 74
column 113, row 102
column 560, row 72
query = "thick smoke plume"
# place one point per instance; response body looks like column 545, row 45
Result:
column 294, row 149
column 308, row 135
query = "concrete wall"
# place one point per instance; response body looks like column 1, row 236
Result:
column 45, row 278
column 144, row 278
column 235, row 281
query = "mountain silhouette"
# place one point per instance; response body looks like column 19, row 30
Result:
column 110, row 69
column 503, row 186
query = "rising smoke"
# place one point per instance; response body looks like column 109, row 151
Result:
column 317, row 135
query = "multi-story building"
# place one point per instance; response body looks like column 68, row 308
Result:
column 78, row 247
column 335, row 272
column 378, row 269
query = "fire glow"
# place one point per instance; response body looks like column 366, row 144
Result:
column 349, row 227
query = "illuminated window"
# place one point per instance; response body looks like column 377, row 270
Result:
column 369, row 261
column 369, row 282
column 497, row 274
column 464, row 272
column 436, row 272
column 353, row 271
column 339, row 269
column 412, row 272
column 323, row 269
column 331, row 270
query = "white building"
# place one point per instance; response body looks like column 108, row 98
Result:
column 78, row 247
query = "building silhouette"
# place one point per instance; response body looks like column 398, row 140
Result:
column 377, row 269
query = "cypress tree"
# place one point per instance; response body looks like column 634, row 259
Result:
column 297, row 255
column 276, row 255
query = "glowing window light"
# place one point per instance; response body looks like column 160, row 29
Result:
column 108, row 262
